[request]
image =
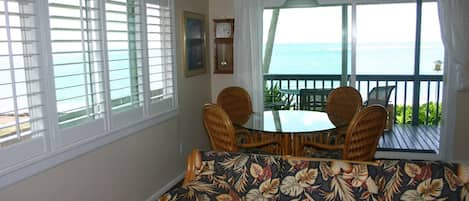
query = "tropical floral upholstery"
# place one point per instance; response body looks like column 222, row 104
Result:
column 241, row 176
column 232, row 176
column 329, row 180
column 424, row 180
column 246, row 172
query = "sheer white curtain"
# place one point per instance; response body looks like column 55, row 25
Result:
column 248, row 49
column 454, row 20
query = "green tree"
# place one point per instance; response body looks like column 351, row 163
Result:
column 433, row 117
column 400, row 114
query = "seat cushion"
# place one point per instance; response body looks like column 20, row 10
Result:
column 323, row 179
column 249, row 175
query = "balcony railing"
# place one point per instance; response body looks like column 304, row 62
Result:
column 416, row 99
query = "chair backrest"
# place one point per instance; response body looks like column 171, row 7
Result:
column 219, row 128
column 379, row 95
column 342, row 105
column 237, row 104
column 314, row 99
column 363, row 134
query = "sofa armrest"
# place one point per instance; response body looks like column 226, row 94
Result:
column 194, row 162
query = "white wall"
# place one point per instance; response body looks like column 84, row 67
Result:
column 128, row 169
column 135, row 167
column 194, row 91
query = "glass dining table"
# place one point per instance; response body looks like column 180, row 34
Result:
column 289, row 126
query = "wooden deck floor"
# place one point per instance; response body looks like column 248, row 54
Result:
column 407, row 138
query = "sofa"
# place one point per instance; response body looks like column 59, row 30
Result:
column 212, row 175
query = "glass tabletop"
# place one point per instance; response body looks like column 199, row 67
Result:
column 289, row 121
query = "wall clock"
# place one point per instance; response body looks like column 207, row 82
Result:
column 223, row 29
column 224, row 32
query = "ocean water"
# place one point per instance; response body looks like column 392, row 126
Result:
column 372, row 58
column 313, row 58
column 72, row 85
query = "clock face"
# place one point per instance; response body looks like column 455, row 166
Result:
column 223, row 30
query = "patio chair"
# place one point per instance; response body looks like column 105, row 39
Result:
column 222, row 134
column 314, row 99
column 361, row 139
column 237, row 104
column 380, row 95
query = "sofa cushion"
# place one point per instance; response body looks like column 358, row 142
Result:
column 319, row 179
column 239, row 176
column 250, row 175
column 424, row 180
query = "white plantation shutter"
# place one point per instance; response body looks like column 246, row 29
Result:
column 92, row 66
column 160, row 37
column 77, row 61
column 99, row 50
column 124, row 53
column 22, row 130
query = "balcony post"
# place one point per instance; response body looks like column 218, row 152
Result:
column 344, row 79
column 416, row 103
column 416, row 99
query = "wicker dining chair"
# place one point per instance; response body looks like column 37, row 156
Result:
column 222, row 133
column 361, row 139
column 342, row 105
column 237, row 104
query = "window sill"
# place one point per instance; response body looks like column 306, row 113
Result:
column 43, row 162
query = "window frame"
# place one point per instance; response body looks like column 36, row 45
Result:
column 57, row 148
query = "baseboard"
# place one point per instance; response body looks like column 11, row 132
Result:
column 165, row 188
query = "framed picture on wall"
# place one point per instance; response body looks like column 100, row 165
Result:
column 194, row 44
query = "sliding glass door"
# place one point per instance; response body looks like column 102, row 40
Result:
column 361, row 44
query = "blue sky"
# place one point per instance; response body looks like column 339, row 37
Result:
column 375, row 23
